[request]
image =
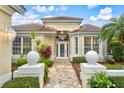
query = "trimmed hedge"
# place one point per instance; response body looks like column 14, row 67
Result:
column 118, row 81
column 79, row 59
column 22, row 82
column 21, row 61
column 48, row 62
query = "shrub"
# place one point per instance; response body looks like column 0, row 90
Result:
column 46, row 73
column 21, row 61
column 118, row 81
column 100, row 80
column 45, row 51
column 48, row 62
column 117, row 51
column 80, row 59
column 22, row 82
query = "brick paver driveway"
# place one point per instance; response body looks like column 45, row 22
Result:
column 62, row 75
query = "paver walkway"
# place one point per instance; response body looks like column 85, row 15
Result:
column 62, row 75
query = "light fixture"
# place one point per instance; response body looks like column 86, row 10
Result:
column 7, row 34
column 11, row 34
column 33, row 57
column 62, row 32
column 92, row 57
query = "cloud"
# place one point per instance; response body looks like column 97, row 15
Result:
column 61, row 8
column 44, row 9
column 91, row 6
column 51, row 8
column 104, row 15
column 39, row 8
column 93, row 18
column 28, row 17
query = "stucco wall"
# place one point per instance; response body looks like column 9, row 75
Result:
column 5, row 57
column 5, row 44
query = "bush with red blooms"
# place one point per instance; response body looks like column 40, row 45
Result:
column 45, row 51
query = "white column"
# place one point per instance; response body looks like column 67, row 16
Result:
column 82, row 45
column 91, row 43
column 101, row 49
column 66, row 49
column 58, row 49
column 21, row 45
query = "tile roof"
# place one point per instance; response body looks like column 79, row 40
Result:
column 33, row 26
column 62, row 18
column 87, row 27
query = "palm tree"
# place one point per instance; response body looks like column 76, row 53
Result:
column 33, row 35
column 114, row 29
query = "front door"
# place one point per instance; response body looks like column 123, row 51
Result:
column 62, row 50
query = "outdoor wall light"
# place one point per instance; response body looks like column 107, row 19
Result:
column 7, row 34
column 11, row 34
column 33, row 57
column 92, row 57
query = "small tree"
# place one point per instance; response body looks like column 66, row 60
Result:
column 38, row 43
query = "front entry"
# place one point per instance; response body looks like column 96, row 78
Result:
column 62, row 50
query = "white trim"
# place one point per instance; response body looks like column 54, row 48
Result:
column 115, row 72
column 75, row 45
column 5, row 78
column 37, row 32
column 21, row 45
column 91, row 40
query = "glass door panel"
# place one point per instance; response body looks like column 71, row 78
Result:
column 62, row 50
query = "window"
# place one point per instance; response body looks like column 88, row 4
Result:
column 96, row 44
column 17, row 45
column 76, row 45
column 26, row 45
column 87, row 44
column 91, row 43
column 21, row 45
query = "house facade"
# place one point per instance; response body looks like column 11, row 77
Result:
column 65, row 34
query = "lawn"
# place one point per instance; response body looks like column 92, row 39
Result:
column 113, row 66
column 22, row 82
column 118, row 81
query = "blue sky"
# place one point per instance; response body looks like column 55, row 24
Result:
column 93, row 14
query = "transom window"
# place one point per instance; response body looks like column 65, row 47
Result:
column 91, row 43
column 21, row 45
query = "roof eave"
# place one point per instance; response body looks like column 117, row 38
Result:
column 18, row 8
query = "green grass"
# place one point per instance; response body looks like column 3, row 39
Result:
column 113, row 66
column 22, row 82
column 118, row 81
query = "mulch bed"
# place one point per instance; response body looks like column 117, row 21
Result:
column 14, row 66
column 76, row 67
